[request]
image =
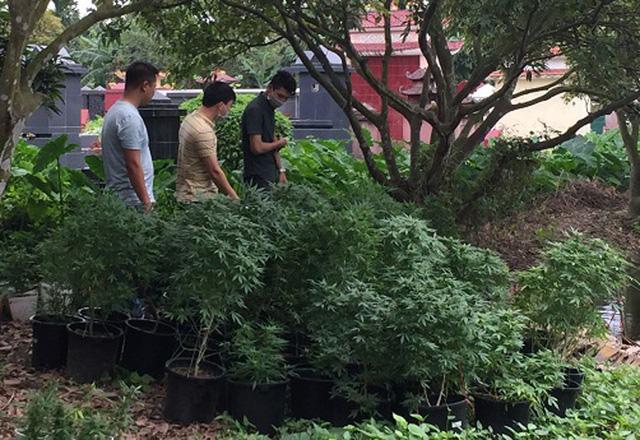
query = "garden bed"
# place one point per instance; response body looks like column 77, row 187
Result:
column 591, row 207
column 19, row 382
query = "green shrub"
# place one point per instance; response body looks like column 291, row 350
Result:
column 94, row 126
column 229, row 131
column 325, row 164
column 494, row 181
column 593, row 156
column 483, row 269
column 40, row 188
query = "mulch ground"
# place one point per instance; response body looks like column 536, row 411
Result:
column 18, row 382
column 593, row 208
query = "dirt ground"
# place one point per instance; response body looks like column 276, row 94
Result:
column 592, row 208
column 18, row 381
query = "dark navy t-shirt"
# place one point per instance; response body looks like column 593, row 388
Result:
column 259, row 118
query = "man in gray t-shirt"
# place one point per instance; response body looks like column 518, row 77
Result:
column 127, row 159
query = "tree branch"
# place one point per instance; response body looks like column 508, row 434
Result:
column 630, row 138
column 104, row 12
column 571, row 131
column 560, row 80
column 430, row 55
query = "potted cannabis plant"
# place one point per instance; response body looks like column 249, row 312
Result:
column 562, row 296
column 49, row 327
column 435, row 322
column 220, row 258
column 507, row 382
column 257, row 373
column 20, row 272
column 98, row 253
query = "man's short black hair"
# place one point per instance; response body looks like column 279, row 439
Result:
column 218, row 92
column 284, row 80
column 139, row 72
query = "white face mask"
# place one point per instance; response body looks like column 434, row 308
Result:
column 275, row 102
column 226, row 112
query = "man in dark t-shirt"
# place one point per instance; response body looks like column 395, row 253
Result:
column 262, row 164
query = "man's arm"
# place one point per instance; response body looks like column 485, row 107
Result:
column 218, row 176
column 136, row 175
column 282, row 175
column 260, row 147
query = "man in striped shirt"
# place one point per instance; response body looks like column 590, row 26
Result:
column 199, row 173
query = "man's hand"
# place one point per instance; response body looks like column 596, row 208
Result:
column 148, row 207
column 282, row 142
column 283, row 177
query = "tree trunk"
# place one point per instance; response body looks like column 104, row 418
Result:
column 8, row 139
column 634, row 189
column 629, row 124
column 13, row 118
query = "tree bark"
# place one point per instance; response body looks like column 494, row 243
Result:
column 629, row 123
column 634, row 190
column 8, row 143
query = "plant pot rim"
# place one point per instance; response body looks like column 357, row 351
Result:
column 24, row 294
column 566, row 388
column 117, row 332
column 170, row 369
column 132, row 321
column 492, row 398
column 45, row 318
column 258, row 385
column 453, row 400
column 83, row 310
column 309, row 374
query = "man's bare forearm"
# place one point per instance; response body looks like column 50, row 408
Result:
column 136, row 177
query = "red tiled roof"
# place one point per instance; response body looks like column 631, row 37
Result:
column 379, row 47
column 455, row 45
column 414, row 90
column 417, row 75
column 375, row 20
column 548, row 72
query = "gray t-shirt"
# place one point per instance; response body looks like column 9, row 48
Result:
column 123, row 128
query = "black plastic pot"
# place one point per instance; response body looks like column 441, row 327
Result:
column 262, row 405
column 115, row 318
column 49, row 343
column 192, row 399
column 311, row 396
column 566, row 398
column 342, row 412
column 573, row 377
column 385, row 407
column 89, row 356
column 453, row 415
column 500, row 415
column 148, row 346
column 534, row 343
